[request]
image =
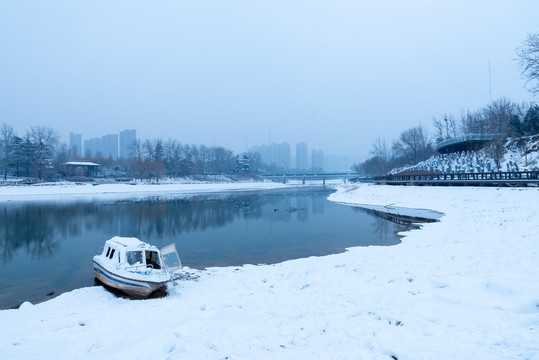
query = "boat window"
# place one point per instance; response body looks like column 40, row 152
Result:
column 152, row 259
column 134, row 257
column 172, row 261
column 111, row 254
column 108, row 251
column 170, row 257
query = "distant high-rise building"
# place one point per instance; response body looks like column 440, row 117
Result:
column 282, row 154
column 301, row 156
column 274, row 154
column 128, row 138
column 75, row 144
column 106, row 146
column 317, row 159
column 91, row 147
column 109, row 146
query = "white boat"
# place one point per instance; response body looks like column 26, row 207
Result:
column 135, row 267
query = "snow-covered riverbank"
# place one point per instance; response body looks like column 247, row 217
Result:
column 66, row 189
column 465, row 287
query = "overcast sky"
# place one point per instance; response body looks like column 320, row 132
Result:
column 334, row 74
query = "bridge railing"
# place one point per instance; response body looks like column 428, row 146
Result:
column 313, row 175
column 492, row 177
column 464, row 138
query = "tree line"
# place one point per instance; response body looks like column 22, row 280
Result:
column 157, row 158
column 501, row 119
column 39, row 154
column 32, row 154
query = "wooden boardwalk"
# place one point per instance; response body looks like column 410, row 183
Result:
column 517, row 178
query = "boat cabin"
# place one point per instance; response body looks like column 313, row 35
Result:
column 135, row 254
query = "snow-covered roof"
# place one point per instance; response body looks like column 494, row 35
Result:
column 129, row 242
column 81, row 163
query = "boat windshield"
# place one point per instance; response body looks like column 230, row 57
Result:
column 152, row 260
column 134, row 257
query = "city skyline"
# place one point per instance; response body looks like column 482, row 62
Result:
column 114, row 146
column 278, row 154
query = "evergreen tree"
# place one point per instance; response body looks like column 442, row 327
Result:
column 26, row 153
column 16, row 160
column 242, row 164
column 531, row 121
column 158, row 152
column 515, row 125
column 245, row 164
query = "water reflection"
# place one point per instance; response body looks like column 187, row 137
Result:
column 31, row 225
column 48, row 246
column 27, row 227
column 384, row 223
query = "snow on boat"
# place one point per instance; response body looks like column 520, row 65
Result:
column 135, row 267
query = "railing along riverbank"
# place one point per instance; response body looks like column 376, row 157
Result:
column 516, row 178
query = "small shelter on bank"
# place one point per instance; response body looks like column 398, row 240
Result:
column 80, row 170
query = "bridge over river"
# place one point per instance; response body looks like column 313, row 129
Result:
column 345, row 176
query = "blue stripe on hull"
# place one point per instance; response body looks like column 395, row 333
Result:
column 117, row 280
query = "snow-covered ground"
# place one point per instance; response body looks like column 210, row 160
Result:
column 66, row 189
column 466, row 287
column 521, row 154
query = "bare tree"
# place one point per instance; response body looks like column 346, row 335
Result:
column 148, row 148
column 496, row 150
column 528, row 55
column 473, row 122
column 7, row 136
column 379, row 164
column 63, row 154
column 380, row 149
column 172, row 157
column 451, row 125
column 498, row 114
column 413, row 144
column 448, row 124
column 137, row 149
column 439, row 128
column 45, row 140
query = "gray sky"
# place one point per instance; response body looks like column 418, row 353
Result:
column 334, row 74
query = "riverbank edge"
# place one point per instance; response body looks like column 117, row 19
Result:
column 463, row 287
column 72, row 190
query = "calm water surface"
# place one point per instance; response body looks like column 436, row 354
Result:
column 48, row 246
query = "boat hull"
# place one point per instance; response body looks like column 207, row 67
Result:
column 136, row 288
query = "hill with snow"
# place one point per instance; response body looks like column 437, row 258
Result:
column 519, row 154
